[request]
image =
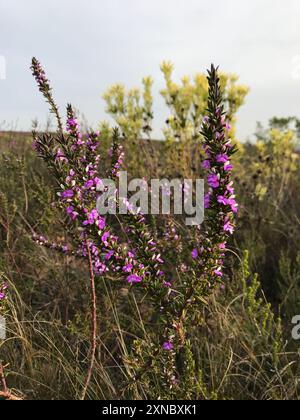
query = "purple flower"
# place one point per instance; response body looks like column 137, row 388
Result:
column 91, row 218
column 207, row 200
column 218, row 272
column 101, row 223
column 127, row 268
column 133, row 278
column 105, row 237
column 168, row 346
column 67, row 194
column 230, row 188
column 89, row 184
column 222, row 200
column 227, row 126
column 207, row 151
column 233, row 204
column 71, row 212
column 228, row 202
column 100, row 268
column 98, row 182
column 222, row 158
column 228, row 167
column 60, row 157
column 109, row 255
column 72, row 124
column 195, row 254
column 213, row 181
column 65, row 249
column 206, row 164
column 228, row 227
column 3, row 288
column 94, row 250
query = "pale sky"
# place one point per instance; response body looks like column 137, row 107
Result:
column 86, row 46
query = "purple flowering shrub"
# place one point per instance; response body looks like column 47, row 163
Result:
column 175, row 269
column 180, row 312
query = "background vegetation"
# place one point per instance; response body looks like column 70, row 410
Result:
column 240, row 344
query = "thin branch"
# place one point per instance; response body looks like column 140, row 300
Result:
column 5, row 393
column 3, row 380
column 94, row 324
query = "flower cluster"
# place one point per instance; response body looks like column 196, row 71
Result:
column 63, row 249
column 220, row 200
column 75, row 161
column 117, row 153
column 40, row 75
column 218, row 166
column 44, row 87
column 203, row 268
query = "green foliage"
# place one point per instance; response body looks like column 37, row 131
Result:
column 289, row 285
column 132, row 109
column 235, row 349
column 267, row 181
column 186, row 102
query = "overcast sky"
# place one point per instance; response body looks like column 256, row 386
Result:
column 87, row 45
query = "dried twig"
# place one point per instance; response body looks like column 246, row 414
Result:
column 3, row 380
column 6, row 393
